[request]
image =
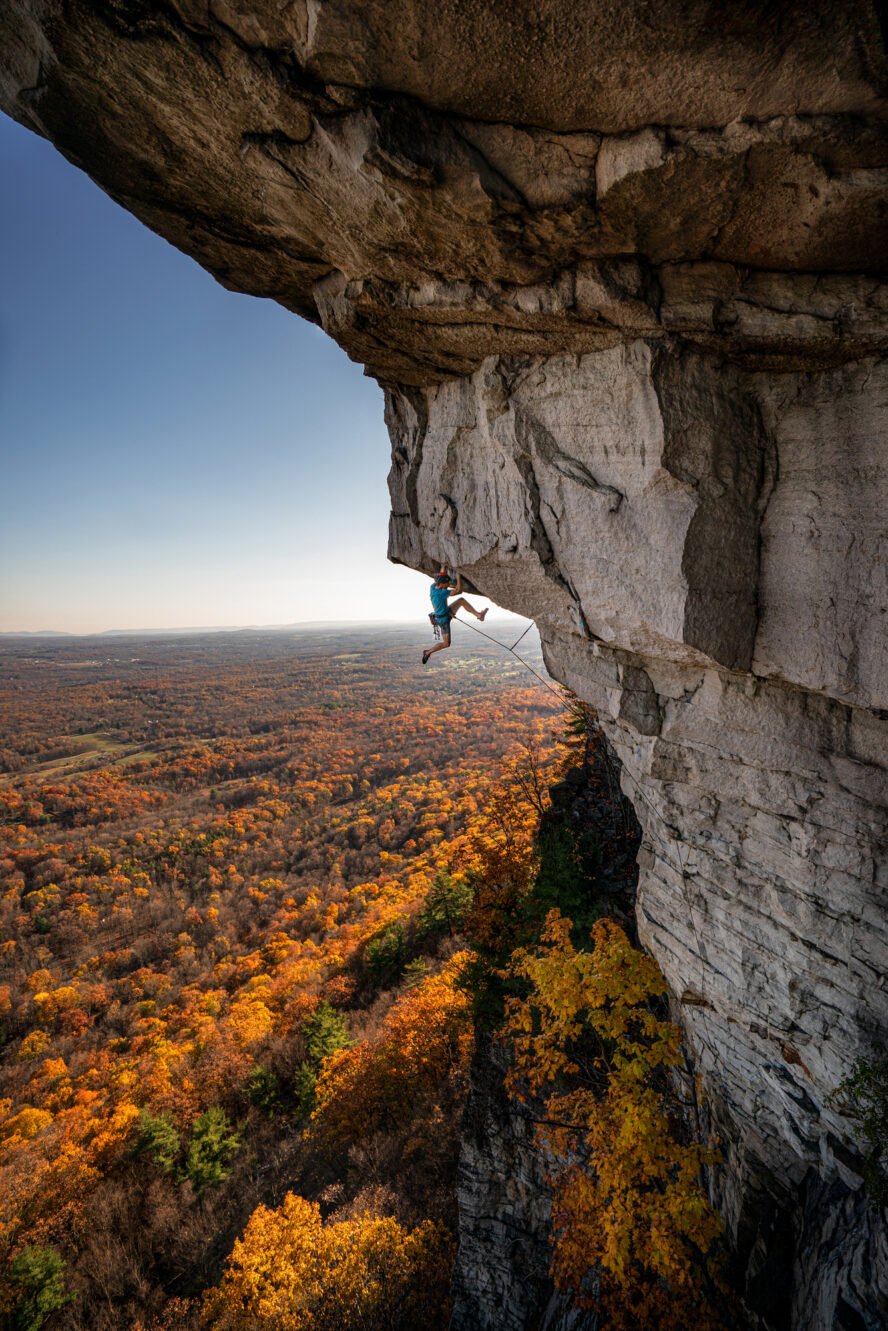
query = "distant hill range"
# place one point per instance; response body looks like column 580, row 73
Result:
column 214, row 628
column 310, row 625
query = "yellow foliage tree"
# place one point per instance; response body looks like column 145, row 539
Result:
column 25, row 1124
column 33, row 1045
column 633, row 1233
column 290, row 1272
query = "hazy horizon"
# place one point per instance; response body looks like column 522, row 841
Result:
column 496, row 616
column 177, row 454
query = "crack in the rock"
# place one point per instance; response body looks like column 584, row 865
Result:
column 418, row 402
column 267, row 139
column 547, row 449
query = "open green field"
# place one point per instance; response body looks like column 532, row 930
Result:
column 97, row 749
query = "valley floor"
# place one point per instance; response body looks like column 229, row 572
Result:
column 223, row 859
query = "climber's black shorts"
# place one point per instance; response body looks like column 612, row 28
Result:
column 442, row 622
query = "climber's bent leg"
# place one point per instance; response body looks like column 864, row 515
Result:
column 463, row 604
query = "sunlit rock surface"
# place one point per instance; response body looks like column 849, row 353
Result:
column 619, row 270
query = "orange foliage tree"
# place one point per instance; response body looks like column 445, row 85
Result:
column 422, row 1049
column 499, row 858
column 633, row 1233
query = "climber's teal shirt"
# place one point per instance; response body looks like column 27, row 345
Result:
column 439, row 597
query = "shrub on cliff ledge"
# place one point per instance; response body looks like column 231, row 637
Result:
column 633, row 1231
column 863, row 1095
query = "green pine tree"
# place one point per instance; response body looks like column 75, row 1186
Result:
column 159, row 1139
column 211, row 1150
column 39, row 1274
column 447, row 902
column 325, row 1031
column 386, row 953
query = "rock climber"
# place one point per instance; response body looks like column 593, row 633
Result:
column 443, row 609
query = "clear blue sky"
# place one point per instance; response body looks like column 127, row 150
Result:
column 172, row 454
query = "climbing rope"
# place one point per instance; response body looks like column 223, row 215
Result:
column 556, row 693
column 521, row 635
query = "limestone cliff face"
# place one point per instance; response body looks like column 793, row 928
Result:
column 618, row 268
column 677, row 528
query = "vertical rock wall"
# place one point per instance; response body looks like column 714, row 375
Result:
column 645, row 506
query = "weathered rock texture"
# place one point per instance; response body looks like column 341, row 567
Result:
column 618, row 267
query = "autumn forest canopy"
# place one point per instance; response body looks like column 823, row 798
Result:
column 261, row 894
